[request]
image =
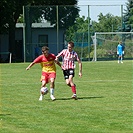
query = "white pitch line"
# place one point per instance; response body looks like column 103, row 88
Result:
column 89, row 81
column 104, row 80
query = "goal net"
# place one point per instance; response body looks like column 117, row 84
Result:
column 104, row 45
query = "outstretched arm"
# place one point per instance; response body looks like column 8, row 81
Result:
column 31, row 64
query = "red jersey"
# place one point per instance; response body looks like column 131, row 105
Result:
column 68, row 58
column 47, row 63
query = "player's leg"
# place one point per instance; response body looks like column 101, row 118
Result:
column 73, row 86
column 121, row 59
column 66, row 77
column 67, row 82
column 43, row 90
column 52, row 77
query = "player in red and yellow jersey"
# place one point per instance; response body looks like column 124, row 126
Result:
column 47, row 61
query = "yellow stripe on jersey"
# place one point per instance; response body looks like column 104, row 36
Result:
column 48, row 66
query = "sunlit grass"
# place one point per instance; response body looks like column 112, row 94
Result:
column 104, row 104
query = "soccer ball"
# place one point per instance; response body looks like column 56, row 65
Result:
column 44, row 90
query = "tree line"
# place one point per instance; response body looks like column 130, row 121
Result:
column 11, row 13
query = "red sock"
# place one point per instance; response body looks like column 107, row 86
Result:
column 73, row 89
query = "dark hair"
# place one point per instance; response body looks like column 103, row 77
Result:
column 44, row 48
column 71, row 43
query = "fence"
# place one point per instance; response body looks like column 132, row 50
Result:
column 50, row 25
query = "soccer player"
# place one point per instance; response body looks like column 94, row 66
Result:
column 47, row 61
column 120, row 52
column 69, row 56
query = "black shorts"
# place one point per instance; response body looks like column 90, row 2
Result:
column 68, row 72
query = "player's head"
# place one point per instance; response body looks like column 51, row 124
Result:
column 45, row 50
column 120, row 42
column 70, row 46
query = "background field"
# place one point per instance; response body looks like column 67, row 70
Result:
column 104, row 104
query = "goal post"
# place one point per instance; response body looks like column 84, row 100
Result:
column 105, row 44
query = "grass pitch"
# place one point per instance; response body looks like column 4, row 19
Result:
column 104, row 102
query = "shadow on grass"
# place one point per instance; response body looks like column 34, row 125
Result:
column 79, row 98
column 4, row 114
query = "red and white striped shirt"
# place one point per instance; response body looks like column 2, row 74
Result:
column 68, row 59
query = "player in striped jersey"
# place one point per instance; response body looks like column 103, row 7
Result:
column 68, row 65
column 47, row 62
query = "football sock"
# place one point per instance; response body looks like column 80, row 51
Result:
column 73, row 89
column 41, row 95
column 51, row 91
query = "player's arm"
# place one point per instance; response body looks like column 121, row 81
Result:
column 80, row 68
column 80, row 65
column 37, row 60
column 31, row 64
column 57, row 62
column 123, row 47
column 57, row 59
column 59, row 54
column 117, row 50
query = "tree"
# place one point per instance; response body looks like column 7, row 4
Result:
column 107, row 23
column 128, row 16
column 79, row 31
column 11, row 11
column 78, row 27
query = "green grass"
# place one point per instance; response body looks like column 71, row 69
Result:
column 104, row 104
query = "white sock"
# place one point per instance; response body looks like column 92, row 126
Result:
column 51, row 91
column 41, row 95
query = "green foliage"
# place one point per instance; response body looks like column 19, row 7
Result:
column 78, row 28
column 128, row 16
column 67, row 16
column 82, row 51
column 108, row 50
column 128, row 50
column 107, row 23
column 15, row 9
column 104, row 104
column 101, row 53
column 20, row 19
column 11, row 13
